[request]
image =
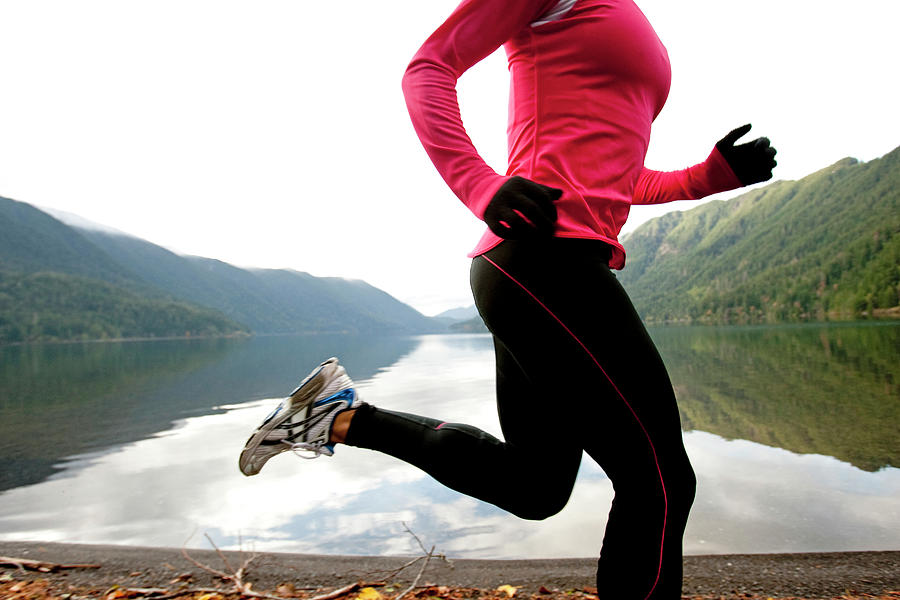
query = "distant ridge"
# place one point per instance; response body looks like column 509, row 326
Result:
column 33, row 241
column 824, row 247
column 462, row 313
column 59, row 282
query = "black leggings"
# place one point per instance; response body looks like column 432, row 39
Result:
column 576, row 370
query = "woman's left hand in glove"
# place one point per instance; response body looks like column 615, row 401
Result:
column 751, row 162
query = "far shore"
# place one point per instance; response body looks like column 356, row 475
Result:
column 886, row 315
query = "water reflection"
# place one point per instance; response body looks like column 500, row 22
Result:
column 824, row 389
column 752, row 497
column 57, row 400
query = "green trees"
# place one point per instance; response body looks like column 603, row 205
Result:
column 824, row 247
column 67, row 283
column 51, row 306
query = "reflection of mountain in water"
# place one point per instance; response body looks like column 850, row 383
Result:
column 828, row 390
column 57, row 401
column 825, row 389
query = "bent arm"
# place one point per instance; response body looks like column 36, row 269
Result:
column 474, row 30
column 709, row 177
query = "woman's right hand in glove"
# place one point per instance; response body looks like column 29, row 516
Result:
column 522, row 209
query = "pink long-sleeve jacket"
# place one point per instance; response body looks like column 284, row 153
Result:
column 588, row 77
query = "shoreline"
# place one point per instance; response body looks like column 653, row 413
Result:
column 881, row 316
column 807, row 575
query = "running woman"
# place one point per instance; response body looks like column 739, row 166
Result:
column 576, row 370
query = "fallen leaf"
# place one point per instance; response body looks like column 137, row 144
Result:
column 211, row 597
column 510, row 590
column 544, row 590
column 369, row 593
column 286, row 589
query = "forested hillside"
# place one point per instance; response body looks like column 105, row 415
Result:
column 48, row 306
column 824, row 247
column 57, row 285
column 33, row 241
column 267, row 300
column 59, row 282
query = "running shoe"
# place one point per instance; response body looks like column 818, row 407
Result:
column 303, row 420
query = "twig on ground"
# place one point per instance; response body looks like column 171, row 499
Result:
column 164, row 594
column 241, row 587
column 426, row 556
column 235, row 577
column 388, row 575
column 224, row 559
column 415, row 582
column 337, row 593
column 37, row 565
column 415, row 537
column 157, row 593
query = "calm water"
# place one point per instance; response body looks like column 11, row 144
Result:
column 793, row 432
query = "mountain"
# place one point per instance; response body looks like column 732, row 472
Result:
column 57, row 285
column 463, row 313
column 473, row 325
column 464, row 319
column 51, row 306
column 269, row 301
column 824, row 247
column 79, row 281
column 33, row 241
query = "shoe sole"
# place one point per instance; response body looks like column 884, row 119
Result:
column 302, row 397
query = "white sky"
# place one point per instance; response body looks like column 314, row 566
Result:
column 274, row 133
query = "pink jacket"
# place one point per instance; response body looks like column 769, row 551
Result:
column 588, row 77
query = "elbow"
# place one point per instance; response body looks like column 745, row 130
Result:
column 425, row 71
column 408, row 81
column 416, row 75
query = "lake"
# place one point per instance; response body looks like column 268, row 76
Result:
column 794, row 432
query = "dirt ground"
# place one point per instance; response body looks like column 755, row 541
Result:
column 166, row 572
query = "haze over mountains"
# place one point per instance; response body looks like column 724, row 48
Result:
column 62, row 282
column 824, row 247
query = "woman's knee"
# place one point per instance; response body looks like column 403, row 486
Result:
column 671, row 482
column 541, row 506
column 550, row 490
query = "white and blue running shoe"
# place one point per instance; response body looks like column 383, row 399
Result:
column 304, row 419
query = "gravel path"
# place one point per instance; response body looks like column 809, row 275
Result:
column 819, row 575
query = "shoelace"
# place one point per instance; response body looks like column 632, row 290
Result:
column 316, row 449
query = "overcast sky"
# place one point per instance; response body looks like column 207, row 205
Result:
column 274, row 133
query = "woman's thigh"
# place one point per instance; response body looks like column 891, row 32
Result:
column 574, row 359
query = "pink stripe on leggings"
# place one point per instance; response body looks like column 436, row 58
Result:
column 622, row 396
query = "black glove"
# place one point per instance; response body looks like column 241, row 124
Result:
column 751, row 162
column 522, row 209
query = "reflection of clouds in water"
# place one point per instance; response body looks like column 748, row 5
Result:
column 158, row 491
column 753, row 498
column 444, row 378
